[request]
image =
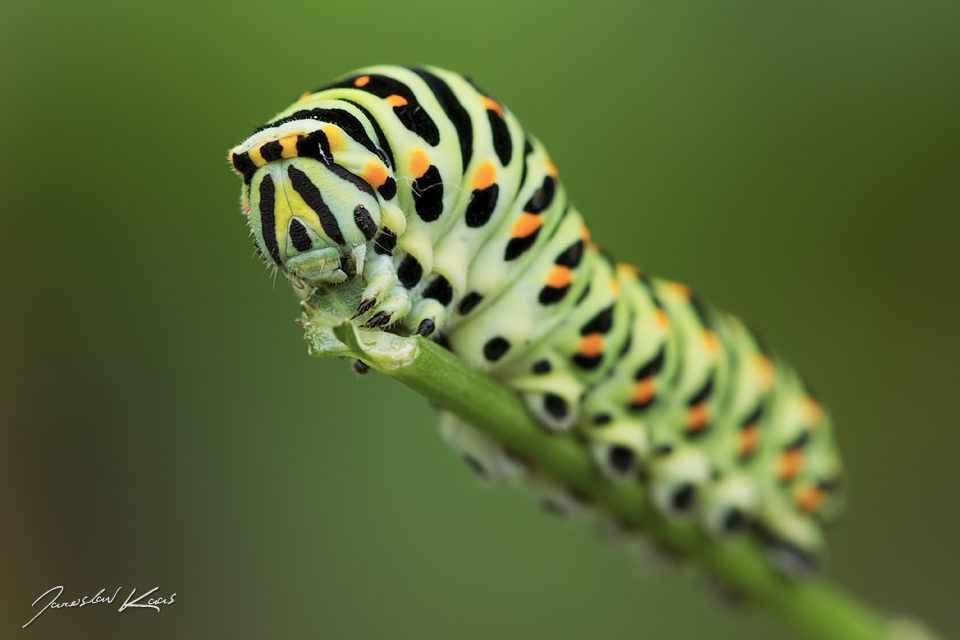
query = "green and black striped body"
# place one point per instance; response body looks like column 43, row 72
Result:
column 428, row 190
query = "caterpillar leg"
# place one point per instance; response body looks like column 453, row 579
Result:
column 481, row 453
column 794, row 543
column 492, row 463
column 361, row 368
column 676, row 477
column 551, row 392
column 556, row 410
column 554, row 498
column 650, row 556
column 425, row 317
column 380, row 276
column 730, row 504
column 395, row 306
column 618, row 449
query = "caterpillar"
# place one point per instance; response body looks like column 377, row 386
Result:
column 425, row 190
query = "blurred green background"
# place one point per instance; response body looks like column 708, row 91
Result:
column 797, row 163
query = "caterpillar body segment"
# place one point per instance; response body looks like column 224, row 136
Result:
column 426, row 189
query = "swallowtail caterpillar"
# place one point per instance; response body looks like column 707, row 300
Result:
column 426, row 194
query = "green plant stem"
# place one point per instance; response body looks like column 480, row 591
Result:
column 812, row 607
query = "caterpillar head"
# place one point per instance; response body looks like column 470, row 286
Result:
column 310, row 216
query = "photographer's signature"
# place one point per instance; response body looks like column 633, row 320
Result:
column 129, row 603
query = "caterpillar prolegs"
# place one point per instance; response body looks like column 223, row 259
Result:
column 426, row 190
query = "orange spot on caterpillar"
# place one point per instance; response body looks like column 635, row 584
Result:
column 525, row 225
column 288, row 145
column 809, row 497
column 814, row 411
column 419, row 162
column 362, row 81
column 303, row 95
column 711, row 342
column 585, row 234
column 245, row 207
column 491, row 105
column 681, row 291
column 615, row 287
column 551, row 168
column 485, row 176
column 748, row 440
column 663, row 320
column 559, row 277
column 789, row 464
column 624, row 269
column 765, row 370
column 591, row 345
column 643, row 391
column 396, row 101
column 374, row 174
column 697, row 417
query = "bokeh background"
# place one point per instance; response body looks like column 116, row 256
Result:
column 163, row 426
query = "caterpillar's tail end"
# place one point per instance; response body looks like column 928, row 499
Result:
column 793, row 561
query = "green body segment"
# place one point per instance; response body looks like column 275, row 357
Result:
column 454, row 220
